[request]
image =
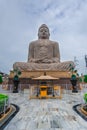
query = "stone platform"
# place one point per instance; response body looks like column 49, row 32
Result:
column 33, row 74
column 46, row 114
column 27, row 77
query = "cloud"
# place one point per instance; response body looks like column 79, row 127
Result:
column 20, row 20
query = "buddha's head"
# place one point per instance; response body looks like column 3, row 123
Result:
column 43, row 32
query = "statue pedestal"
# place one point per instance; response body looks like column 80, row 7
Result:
column 26, row 78
column 34, row 74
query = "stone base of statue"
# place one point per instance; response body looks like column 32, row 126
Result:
column 37, row 73
column 26, row 78
column 74, row 83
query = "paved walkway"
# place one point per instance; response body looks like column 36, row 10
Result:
column 46, row 114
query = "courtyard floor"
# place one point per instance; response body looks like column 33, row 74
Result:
column 46, row 114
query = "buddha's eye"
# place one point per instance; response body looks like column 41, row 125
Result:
column 43, row 30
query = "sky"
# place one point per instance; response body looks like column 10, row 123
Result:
column 20, row 20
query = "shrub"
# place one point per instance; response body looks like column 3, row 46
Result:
column 3, row 100
column 85, row 78
column 85, row 97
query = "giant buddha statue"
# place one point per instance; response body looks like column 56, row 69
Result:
column 43, row 54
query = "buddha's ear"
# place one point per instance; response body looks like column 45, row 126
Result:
column 49, row 35
column 38, row 35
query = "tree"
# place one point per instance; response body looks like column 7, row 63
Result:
column 85, row 97
column 1, row 78
column 85, row 78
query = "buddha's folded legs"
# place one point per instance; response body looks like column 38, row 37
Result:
column 62, row 66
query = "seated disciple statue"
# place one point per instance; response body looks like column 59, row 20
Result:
column 43, row 54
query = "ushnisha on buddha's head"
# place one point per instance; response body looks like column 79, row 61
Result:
column 43, row 32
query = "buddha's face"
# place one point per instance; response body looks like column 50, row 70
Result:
column 43, row 33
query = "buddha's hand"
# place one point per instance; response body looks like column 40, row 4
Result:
column 55, row 60
column 32, row 60
column 47, row 61
column 35, row 60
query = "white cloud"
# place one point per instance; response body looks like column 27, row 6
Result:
column 19, row 22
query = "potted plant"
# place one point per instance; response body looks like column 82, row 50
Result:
column 85, row 78
column 74, row 79
column 17, row 73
